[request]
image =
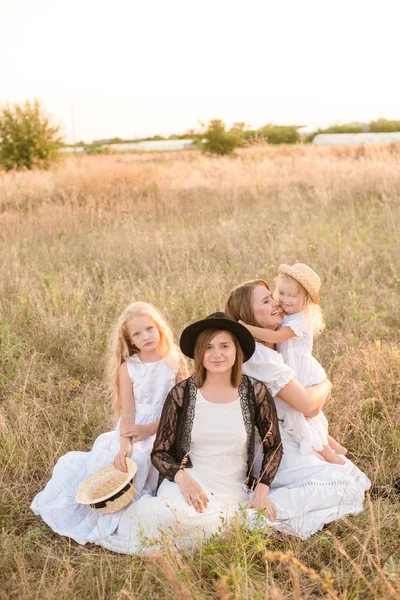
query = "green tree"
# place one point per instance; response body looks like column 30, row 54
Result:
column 271, row 133
column 27, row 136
column 280, row 134
column 219, row 141
column 97, row 149
column 240, row 126
column 345, row 128
column 383, row 125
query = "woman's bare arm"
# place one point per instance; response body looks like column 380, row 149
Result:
column 126, row 397
column 305, row 400
column 268, row 335
column 127, row 416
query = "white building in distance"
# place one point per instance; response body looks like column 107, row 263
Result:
column 354, row 139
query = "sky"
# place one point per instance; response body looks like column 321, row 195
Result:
column 135, row 68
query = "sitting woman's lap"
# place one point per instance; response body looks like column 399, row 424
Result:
column 168, row 513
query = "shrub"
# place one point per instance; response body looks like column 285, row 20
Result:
column 280, row 134
column 273, row 134
column 27, row 136
column 347, row 128
column 97, row 149
column 382, row 125
column 219, row 141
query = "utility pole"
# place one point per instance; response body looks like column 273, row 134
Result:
column 73, row 128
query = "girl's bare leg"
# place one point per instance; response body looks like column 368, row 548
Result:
column 330, row 456
column 338, row 448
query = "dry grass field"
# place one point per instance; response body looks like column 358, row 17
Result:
column 80, row 242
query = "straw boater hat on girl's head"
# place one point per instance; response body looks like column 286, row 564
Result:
column 110, row 489
column 221, row 322
column 304, row 275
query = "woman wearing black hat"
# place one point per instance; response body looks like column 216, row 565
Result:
column 204, row 449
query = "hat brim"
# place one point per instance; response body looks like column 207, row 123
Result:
column 288, row 270
column 190, row 334
column 85, row 494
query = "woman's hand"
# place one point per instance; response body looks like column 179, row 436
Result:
column 138, row 432
column 192, row 491
column 119, row 460
column 261, row 501
column 312, row 414
column 325, row 387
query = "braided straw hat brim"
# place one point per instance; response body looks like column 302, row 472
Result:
column 105, row 489
column 305, row 276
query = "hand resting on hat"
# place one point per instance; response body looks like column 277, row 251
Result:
column 124, row 451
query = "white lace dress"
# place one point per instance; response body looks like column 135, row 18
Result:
column 218, row 451
column 56, row 502
column 307, row 491
column 297, row 353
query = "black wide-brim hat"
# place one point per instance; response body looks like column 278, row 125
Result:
column 221, row 322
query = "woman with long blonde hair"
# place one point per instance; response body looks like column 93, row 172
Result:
column 143, row 366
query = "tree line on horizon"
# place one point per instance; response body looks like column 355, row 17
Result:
column 29, row 138
column 273, row 133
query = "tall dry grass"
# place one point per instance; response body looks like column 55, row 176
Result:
column 80, row 242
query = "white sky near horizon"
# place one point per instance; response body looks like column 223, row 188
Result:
column 134, row 68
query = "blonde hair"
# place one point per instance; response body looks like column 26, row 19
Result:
column 239, row 305
column 121, row 347
column 200, row 372
column 307, row 304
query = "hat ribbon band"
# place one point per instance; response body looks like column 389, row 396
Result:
column 104, row 503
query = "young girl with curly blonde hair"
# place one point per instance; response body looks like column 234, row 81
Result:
column 144, row 364
column 297, row 291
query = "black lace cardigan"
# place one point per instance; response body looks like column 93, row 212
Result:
column 171, row 450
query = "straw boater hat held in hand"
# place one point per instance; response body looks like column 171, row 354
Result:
column 304, row 275
column 109, row 490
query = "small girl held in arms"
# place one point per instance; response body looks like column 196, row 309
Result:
column 297, row 290
column 144, row 365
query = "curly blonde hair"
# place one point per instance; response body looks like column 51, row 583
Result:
column 121, row 347
column 308, row 305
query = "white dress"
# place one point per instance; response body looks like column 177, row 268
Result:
column 307, row 491
column 218, row 451
column 297, row 353
column 56, row 502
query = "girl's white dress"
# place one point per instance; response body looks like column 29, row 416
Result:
column 297, row 353
column 56, row 502
column 307, row 491
column 218, row 451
